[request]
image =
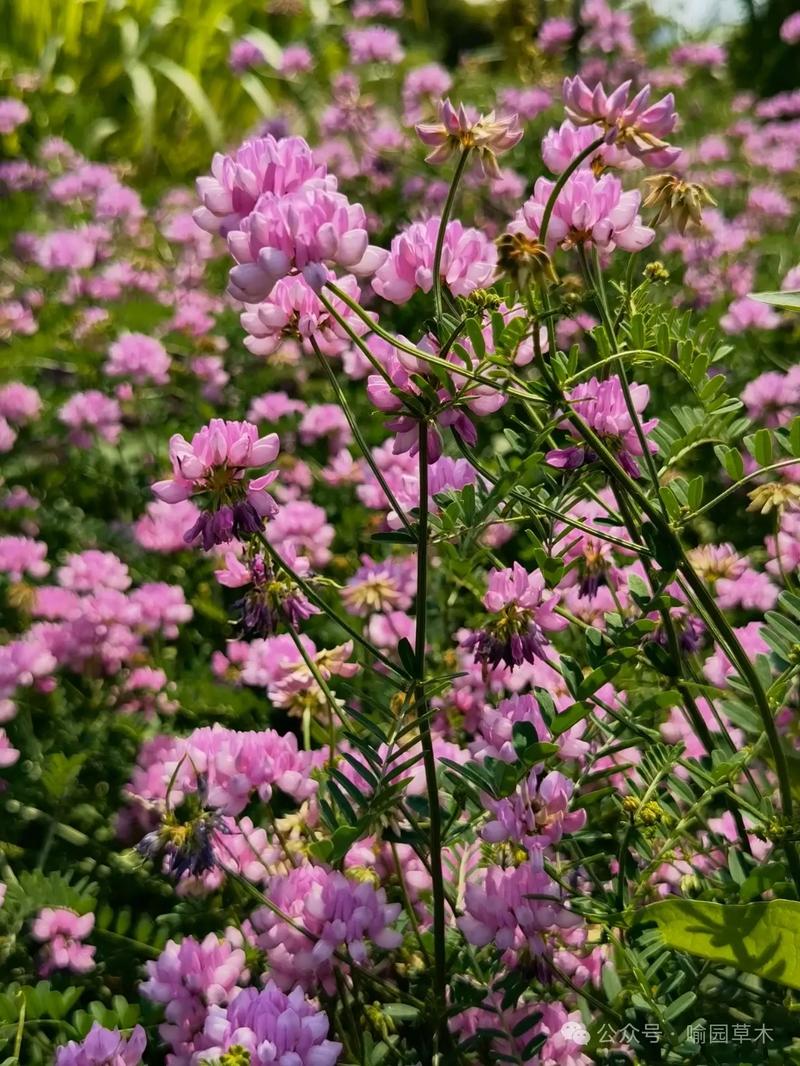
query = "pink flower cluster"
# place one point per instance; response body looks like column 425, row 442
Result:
column 235, row 766
column 333, row 913
column 104, row 1047
column 189, row 978
column 215, row 463
column 602, row 406
column 62, row 932
column 271, row 1027
column 282, row 215
column 468, row 261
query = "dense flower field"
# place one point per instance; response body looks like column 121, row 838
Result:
column 399, row 563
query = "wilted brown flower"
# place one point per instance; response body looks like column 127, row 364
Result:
column 681, row 201
column 777, row 495
column 524, row 260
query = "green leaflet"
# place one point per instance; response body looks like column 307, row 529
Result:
column 760, row 938
column 790, row 301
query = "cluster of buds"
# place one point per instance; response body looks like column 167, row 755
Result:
column 656, row 271
column 644, row 814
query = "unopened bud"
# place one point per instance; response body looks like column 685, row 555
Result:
column 656, row 271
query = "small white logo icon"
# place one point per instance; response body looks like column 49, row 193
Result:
column 575, row 1031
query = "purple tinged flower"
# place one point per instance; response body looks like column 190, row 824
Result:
column 588, row 211
column 215, row 463
column 271, row 598
column 296, row 59
column 270, row 1027
column 601, row 405
column 189, row 978
column 260, row 165
column 380, row 587
column 341, row 914
column 469, row 261
column 459, row 129
column 536, row 815
column 374, row 44
column 632, row 124
column 244, row 55
column 104, row 1047
column 501, row 909
column 524, row 612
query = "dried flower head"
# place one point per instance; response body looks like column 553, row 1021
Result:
column 777, row 495
column 680, row 201
column 524, row 260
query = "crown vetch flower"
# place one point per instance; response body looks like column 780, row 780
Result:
column 601, row 404
column 340, row 914
column 139, row 357
column 270, row 597
column 260, row 165
column 632, row 124
column 587, row 211
column 537, row 814
column 62, row 932
column 189, row 978
column 503, row 909
column 463, row 128
column 300, row 232
column 269, row 1027
column 104, row 1047
column 469, row 259
column 525, row 612
column 215, row 463
column 561, row 146
column 293, row 309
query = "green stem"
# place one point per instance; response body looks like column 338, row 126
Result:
column 438, row 301
column 743, row 481
column 318, row 601
column 428, row 757
column 325, row 687
column 365, row 448
column 425, row 357
column 561, row 182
